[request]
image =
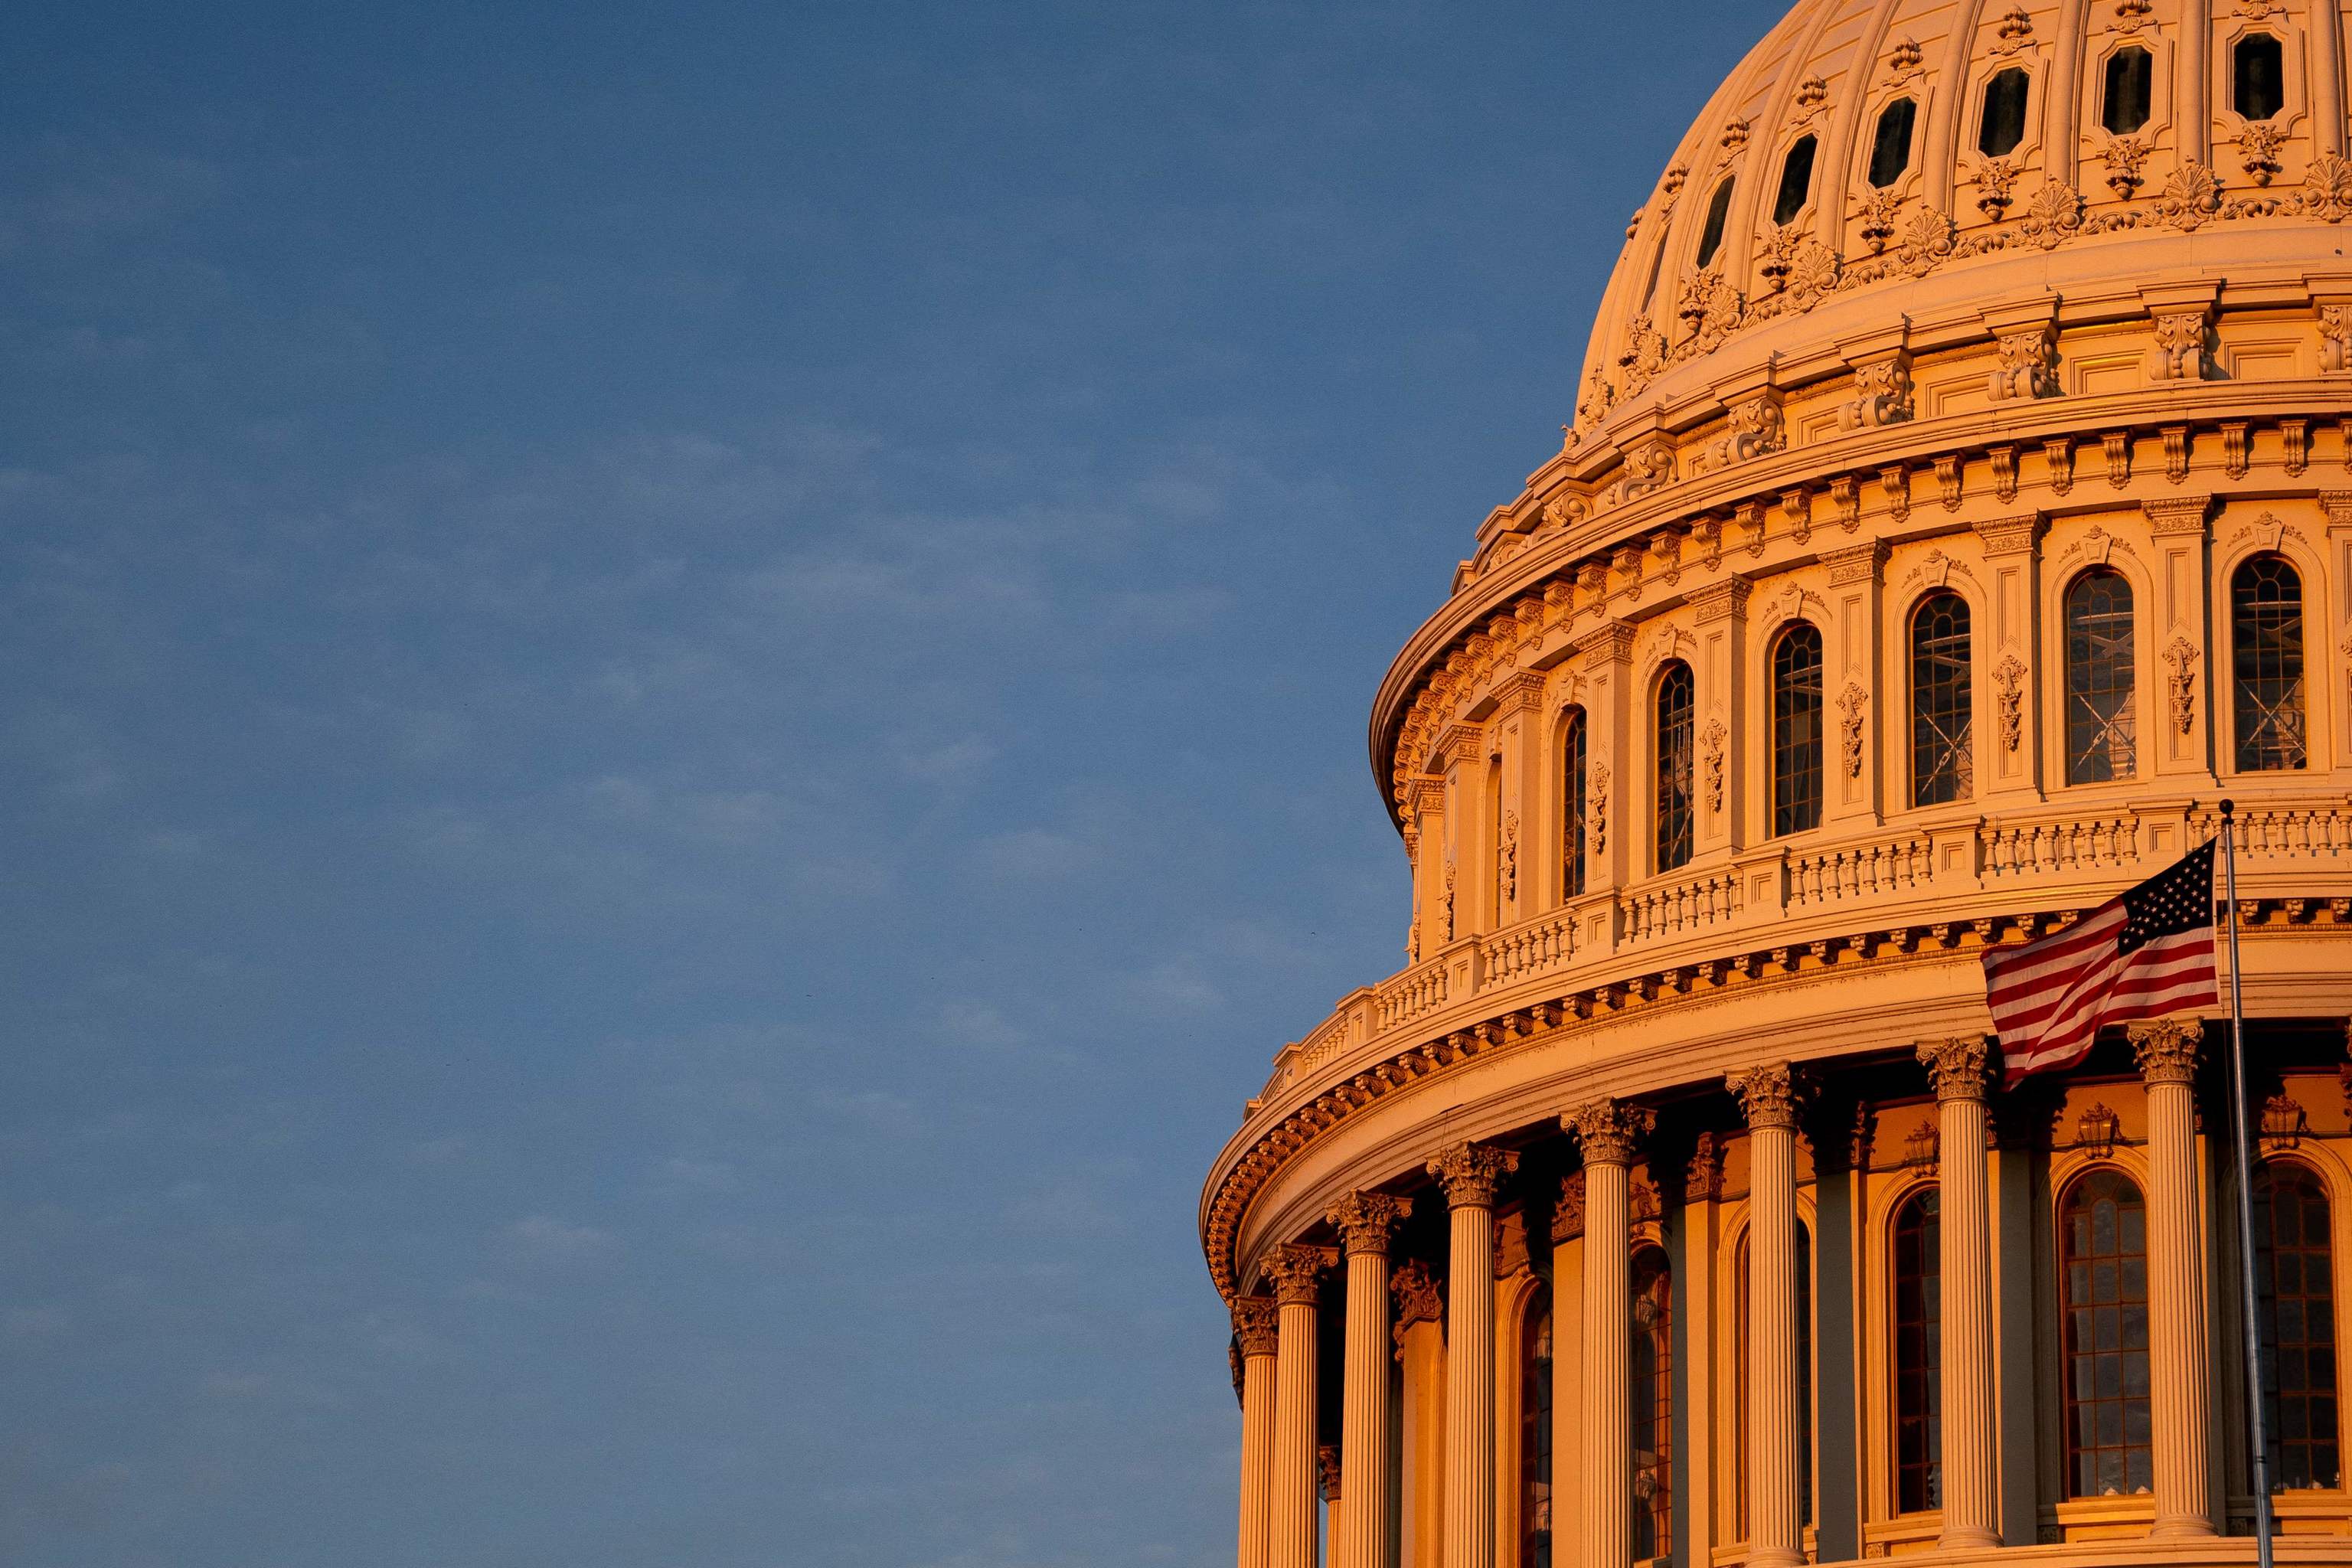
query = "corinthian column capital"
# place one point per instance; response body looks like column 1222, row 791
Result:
column 1253, row 1324
column 1470, row 1173
column 1769, row 1094
column 1366, row 1221
column 1956, row 1067
column 1607, row 1130
column 2166, row 1049
column 1298, row 1272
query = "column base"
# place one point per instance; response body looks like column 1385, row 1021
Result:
column 1970, row 1539
column 1775, row 1557
column 2182, row 1527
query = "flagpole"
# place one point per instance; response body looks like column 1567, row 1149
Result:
column 2248, row 1302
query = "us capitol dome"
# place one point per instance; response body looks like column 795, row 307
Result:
column 1957, row 505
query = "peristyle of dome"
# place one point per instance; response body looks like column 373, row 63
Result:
column 1957, row 508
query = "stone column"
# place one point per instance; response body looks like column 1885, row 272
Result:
column 1290, row 1512
column 1366, row 1221
column 1253, row 1328
column 1606, row 1133
column 2176, row 1367
column 1971, row 1492
column 1420, row 1335
column 1775, row 1528
column 1327, row 1475
column 1469, row 1172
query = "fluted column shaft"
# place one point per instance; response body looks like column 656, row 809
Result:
column 1606, row 1132
column 1290, row 1510
column 1469, row 1172
column 1254, row 1327
column 1365, row 1222
column 2176, row 1364
column 1775, row 1513
column 1971, row 1488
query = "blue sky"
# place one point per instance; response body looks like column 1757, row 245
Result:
column 685, row 709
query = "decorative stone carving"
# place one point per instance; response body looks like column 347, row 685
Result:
column 1649, row 466
column 1882, row 393
column 1644, row 354
column 1445, row 906
column 1506, row 858
column 2058, row 452
column 1417, row 1298
column 1702, row 1178
column 1367, row 1222
column 1568, row 1215
column 2258, row 149
column 1879, row 210
column 2131, row 16
column 1957, row 1067
column 2335, row 338
column 1755, row 430
column 1597, row 798
column 2095, row 1130
column 1797, row 504
column 1813, row 96
column 2284, row 1123
column 2117, row 444
column 1770, row 1095
column 1903, row 60
column 2004, row 472
column 2176, row 452
column 1326, row 1471
column 1606, row 1131
column 1927, row 241
column 2028, row 361
column 1470, row 1173
column 2166, row 1049
column 2013, row 32
column 1948, row 474
column 2055, row 215
column 2179, row 353
column 1894, row 482
column 1997, row 185
column 1853, row 703
column 2180, row 654
column 2126, row 161
column 2327, row 187
column 1254, row 1319
column 1919, row 1147
column 2009, row 681
column 1298, row 1272
column 2295, row 436
column 2189, row 197
column 1711, row 743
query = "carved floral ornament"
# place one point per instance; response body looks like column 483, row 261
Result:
column 1471, row 1172
column 1254, row 1325
column 1769, row 1094
column 1957, row 1067
column 2180, row 654
column 1606, row 1131
column 1367, row 1221
column 2166, row 1049
column 1298, row 1272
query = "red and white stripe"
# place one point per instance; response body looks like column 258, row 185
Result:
column 2050, row 997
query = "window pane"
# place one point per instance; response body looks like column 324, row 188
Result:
column 1890, row 148
column 1796, row 180
column 2004, row 113
column 1919, row 1373
column 1571, row 777
column 2266, row 638
column 2259, row 77
column 1535, row 1434
column 2125, row 109
column 1654, row 1405
column 1710, row 238
column 1940, row 706
column 2101, row 738
column 2103, row 1323
column 1797, row 730
column 1674, row 763
column 2294, row 1282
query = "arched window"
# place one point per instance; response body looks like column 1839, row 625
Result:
column 1674, row 765
column 1572, row 794
column 2266, row 652
column 2294, row 1274
column 2099, row 714
column 2003, row 126
column 1654, row 1404
column 1796, row 180
column 2124, row 106
column 1658, row 265
column 1718, row 210
column 1797, row 730
column 1940, row 707
column 1890, row 146
column 2103, row 1269
column 1535, row 1433
column 2257, row 77
column 1918, row 1355
column 1804, row 1379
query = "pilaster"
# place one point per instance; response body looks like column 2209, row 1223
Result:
column 2179, row 529
column 2009, row 717
column 1723, row 679
column 1853, row 777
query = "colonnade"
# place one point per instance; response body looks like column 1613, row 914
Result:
column 1277, row 1343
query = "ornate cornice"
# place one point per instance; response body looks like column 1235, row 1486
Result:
column 2166, row 1049
column 1607, row 1130
column 1254, row 1325
column 2010, row 535
column 1770, row 1095
column 1470, row 1173
column 1367, row 1221
column 1956, row 1067
column 1298, row 1272
column 2177, row 514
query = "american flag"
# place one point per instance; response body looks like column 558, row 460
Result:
column 2146, row 954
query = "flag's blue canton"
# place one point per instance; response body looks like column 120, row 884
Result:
column 2180, row 899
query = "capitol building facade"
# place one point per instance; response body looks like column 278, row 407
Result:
column 1957, row 507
